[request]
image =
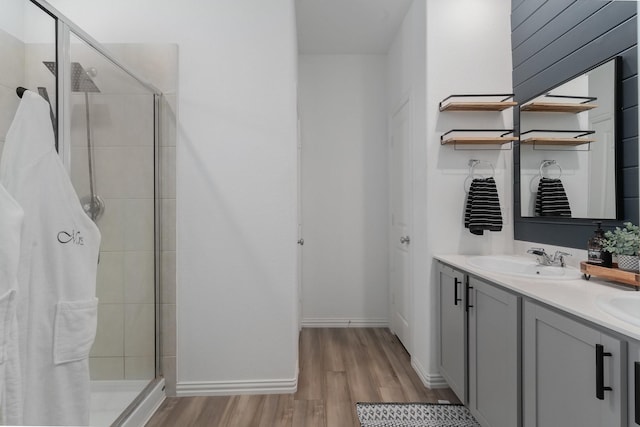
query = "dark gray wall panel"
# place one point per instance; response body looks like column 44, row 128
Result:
column 630, row 178
column 629, row 155
column 630, row 63
column 541, row 37
column 631, row 210
column 516, row 4
column 630, row 92
column 524, row 11
column 577, row 62
column 598, row 31
column 551, row 43
column 555, row 233
column 630, row 122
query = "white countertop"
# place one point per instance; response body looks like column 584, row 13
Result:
column 577, row 297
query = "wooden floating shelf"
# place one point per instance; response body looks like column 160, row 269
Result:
column 478, row 106
column 557, row 141
column 613, row 274
column 479, row 140
column 556, row 107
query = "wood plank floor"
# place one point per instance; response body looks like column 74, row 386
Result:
column 338, row 367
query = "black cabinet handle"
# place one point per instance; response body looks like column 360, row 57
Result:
column 466, row 296
column 600, row 387
column 636, row 374
column 456, row 282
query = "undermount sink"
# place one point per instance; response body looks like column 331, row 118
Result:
column 624, row 307
column 522, row 267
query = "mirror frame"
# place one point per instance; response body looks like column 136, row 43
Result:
column 552, row 230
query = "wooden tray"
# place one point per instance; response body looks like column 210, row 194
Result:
column 613, row 274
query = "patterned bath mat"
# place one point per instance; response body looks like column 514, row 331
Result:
column 414, row 415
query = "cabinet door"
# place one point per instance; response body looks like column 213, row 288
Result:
column 493, row 355
column 562, row 385
column 634, row 384
column 452, row 329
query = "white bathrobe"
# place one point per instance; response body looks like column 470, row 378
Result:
column 57, row 307
column 11, row 216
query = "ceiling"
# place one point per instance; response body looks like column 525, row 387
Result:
column 348, row 26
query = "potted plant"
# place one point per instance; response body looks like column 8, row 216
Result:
column 625, row 243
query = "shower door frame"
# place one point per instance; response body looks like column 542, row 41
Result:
column 64, row 28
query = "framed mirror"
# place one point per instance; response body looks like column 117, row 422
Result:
column 570, row 146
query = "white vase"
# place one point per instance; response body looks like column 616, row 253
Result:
column 628, row 262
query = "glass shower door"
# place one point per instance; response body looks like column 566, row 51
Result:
column 112, row 165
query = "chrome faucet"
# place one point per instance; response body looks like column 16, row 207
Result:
column 545, row 259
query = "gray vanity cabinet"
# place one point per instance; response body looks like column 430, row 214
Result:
column 633, row 376
column 493, row 354
column 572, row 373
column 452, row 331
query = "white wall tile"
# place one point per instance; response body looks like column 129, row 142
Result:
column 168, row 277
column 124, row 171
column 112, row 225
column 80, row 170
column 110, row 334
column 139, row 274
column 139, row 225
column 139, row 368
column 79, row 121
column 168, row 120
column 137, row 129
column 8, row 107
column 168, row 330
column 139, row 330
column 110, row 279
column 168, row 172
column 168, row 221
column 106, row 368
column 157, row 62
column 12, row 52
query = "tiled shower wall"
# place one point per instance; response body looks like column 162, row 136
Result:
column 123, row 164
column 122, row 135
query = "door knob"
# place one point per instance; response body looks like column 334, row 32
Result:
column 405, row 239
column 301, row 242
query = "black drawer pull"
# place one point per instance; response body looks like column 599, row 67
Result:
column 636, row 375
column 456, row 282
column 600, row 387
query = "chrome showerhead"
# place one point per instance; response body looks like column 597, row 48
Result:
column 80, row 79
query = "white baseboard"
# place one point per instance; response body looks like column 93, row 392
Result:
column 230, row 388
column 429, row 380
column 321, row 322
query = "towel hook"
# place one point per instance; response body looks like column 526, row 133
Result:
column 472, row 167
column 474, row 162
column 546, row 163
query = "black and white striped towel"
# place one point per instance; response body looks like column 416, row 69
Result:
column 551, row 199
column 483, row 207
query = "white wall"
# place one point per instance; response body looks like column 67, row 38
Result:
column 461, row 46
column 236, row 182
column 468, row 51
column 342, row 104
column 407, row 81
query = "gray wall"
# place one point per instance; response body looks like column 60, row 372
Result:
column 553, row 41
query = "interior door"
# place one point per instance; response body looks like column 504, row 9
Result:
column 300, row 237
column 400, row 240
